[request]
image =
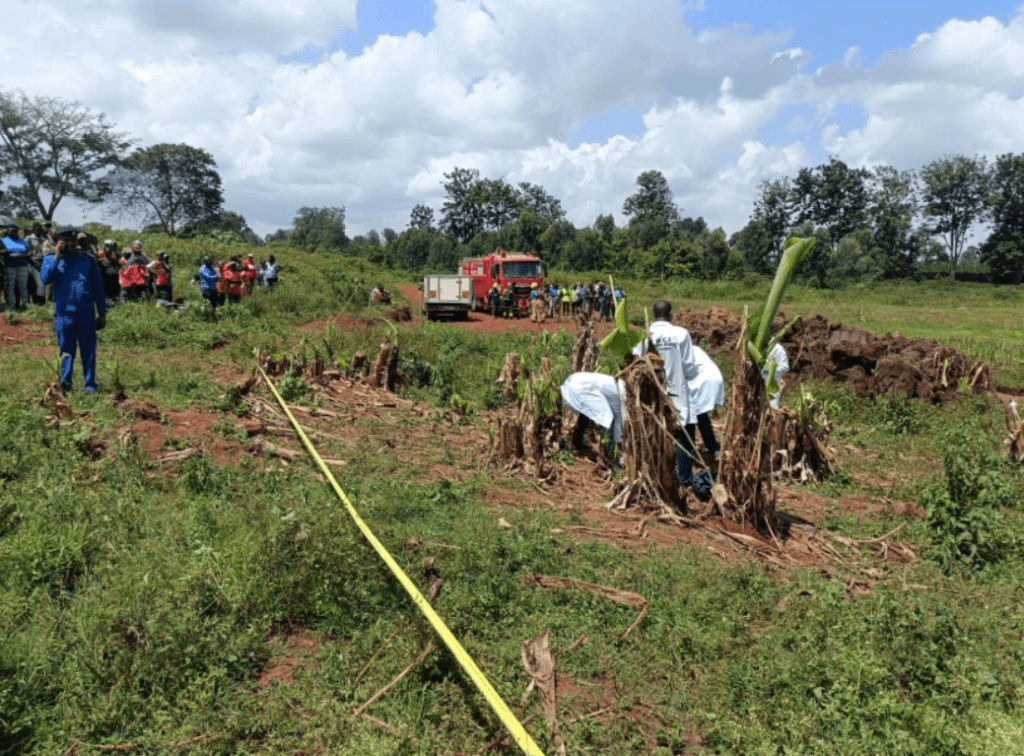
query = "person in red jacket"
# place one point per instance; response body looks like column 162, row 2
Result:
column 161, row 270
column 232, row 276
column 123, row 266
column 138, row 278
column 249, row 274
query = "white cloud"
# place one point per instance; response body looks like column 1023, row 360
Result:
column 502, row 87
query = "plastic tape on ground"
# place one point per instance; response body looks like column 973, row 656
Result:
column 516, row 730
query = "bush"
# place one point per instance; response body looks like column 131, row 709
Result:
column 964, row 516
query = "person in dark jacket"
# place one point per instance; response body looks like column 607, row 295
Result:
column 77, row 296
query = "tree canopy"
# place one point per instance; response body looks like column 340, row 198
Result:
column 169, row 185
column 319, row 228
column 55, row 148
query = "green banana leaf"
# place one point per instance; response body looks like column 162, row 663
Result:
column 622, row 340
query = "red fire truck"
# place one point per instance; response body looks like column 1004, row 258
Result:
column 518, row 270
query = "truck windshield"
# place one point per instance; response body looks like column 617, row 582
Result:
column 521, row 269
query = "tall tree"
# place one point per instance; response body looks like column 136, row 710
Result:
column 536, row 198
column 167, row 184
column 460, row 215
column 1004, row 248
column 893, row 205
column 773, row 209
column 496, row 203
column 57, row 148
column 319, row 227
column 954, row 197
column 834, row 196
column 422, row 217
column 652, row 201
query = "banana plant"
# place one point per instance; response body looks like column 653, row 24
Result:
column 622, row 340
column 759, row 325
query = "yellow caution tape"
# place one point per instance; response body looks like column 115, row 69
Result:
column 518, row 732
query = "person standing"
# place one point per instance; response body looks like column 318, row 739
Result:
column 160, row 269
column 17, row 267
column 232, row 275
column 110, row 270
column 208, row 278
column 707, row 392
column 77, row 296
column 676, row 348
column 271, row 273
column 35, row 241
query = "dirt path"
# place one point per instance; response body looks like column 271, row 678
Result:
column 481, row 321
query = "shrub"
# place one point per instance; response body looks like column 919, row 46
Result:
column 964, row 517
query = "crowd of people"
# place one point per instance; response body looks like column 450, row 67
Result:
column 67, row 267
column 127, row 275
column 557, row 301
column 692, row 380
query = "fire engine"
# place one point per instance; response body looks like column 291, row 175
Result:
column 518, row 270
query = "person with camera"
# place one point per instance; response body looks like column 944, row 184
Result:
column 77, row 296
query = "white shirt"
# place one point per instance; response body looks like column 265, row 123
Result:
column 781, row 361
column 707, row 390
column 676, row 347
column 597, row 396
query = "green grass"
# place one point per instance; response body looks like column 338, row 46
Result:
column 140, row 603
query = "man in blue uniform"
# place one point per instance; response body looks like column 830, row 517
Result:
column 77, row 296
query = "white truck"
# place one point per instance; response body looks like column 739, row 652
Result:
column 447, row 296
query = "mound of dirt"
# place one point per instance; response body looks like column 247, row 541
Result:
column 890, row 365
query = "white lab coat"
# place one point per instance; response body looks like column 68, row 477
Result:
column 599, row 397
column 707, row 390
column 781, row 360
column 676, row 347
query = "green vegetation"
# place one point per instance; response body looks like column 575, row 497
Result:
column 152, row 606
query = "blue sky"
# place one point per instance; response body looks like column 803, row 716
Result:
column 368, row 103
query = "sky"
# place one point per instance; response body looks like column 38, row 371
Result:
column 368, row 103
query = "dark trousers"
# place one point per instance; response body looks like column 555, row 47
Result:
column 686, row 452
column 707, row 433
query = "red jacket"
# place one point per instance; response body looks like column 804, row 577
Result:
column 160, row 270
column 232, row 279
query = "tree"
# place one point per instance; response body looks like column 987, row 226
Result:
column 834, row 196
column 319, row 227
column 652, row 201
column 535, row 198
column 389, row 235
column 169, row 185
column 605, row 225
column 494, row 202
column 57, row 147
column 954, row 197
column 1004, row 248
column 460, row 216
column 892, row 209
column 773, row 210
column 422, row 217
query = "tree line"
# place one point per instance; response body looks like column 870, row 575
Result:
column 871, row 224
column 879, row 223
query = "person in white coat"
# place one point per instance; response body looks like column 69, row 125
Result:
column 781, row 360
column 676, row 348
column 707, row 391
column 597, row 398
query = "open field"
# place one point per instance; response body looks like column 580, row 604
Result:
column 173, row 581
